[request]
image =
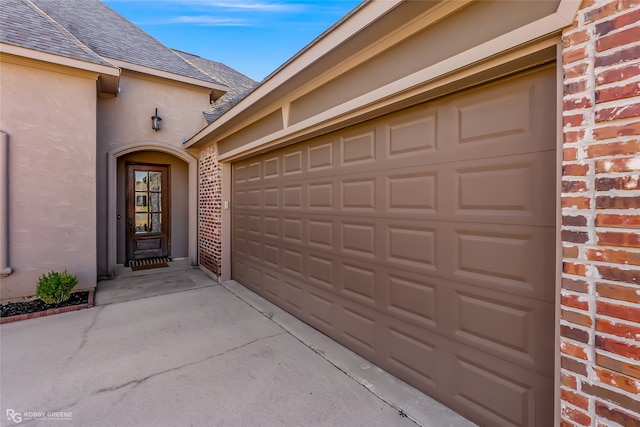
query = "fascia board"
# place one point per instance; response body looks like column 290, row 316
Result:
column 562, row 17
column 368, row 13
column 169, row 76
column 59, row 60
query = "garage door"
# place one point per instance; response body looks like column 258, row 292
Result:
column 424, row 241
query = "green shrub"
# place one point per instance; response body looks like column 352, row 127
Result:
column 55, row 287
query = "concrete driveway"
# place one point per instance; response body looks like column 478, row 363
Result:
column 202, row 354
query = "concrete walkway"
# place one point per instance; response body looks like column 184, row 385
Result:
column 201, row 354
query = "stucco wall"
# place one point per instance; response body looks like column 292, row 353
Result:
column 50, row 119
column 126, row 121
column 179, row 171
column 600, row 297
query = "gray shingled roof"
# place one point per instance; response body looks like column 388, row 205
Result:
column 101, row 29
column 24, row 25
column 239, row 84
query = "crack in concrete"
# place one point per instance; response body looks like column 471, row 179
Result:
column 85, row 333
column 135, row 383
column 85, row 336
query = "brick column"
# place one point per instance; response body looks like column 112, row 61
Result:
column 600, row 299
column 210, row 211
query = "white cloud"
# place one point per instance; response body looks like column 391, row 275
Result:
column 256, row 6
column 199, row 20
column 237, row 5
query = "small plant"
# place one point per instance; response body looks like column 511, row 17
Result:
column 55, row 287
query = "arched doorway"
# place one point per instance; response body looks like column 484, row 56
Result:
column 149, row 161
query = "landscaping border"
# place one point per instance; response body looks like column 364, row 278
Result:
column 51, row 311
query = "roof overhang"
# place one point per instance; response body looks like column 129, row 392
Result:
column 362, row 36
column 216, row 89
column 107, row 76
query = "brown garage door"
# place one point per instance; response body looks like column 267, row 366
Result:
column 422, row 240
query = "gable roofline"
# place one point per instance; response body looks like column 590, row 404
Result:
column 217, row 89
column 336, row 52
column 239, row 84
column 111, row 36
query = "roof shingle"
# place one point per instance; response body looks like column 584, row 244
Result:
column 23, row 24
column 111, row 35
column 239, row 84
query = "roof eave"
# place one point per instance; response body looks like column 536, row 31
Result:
column 365, row 16
column 360, row 17
column 216, row 89
column 108, row 76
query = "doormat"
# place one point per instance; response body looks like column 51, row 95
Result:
column 147, row 264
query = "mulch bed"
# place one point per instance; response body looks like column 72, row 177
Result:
column 22, row 310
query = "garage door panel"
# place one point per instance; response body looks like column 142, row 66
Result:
column 254, row 224
column 359, row 282
column 320, row 196
column 358, row 194
column 254, row 171
column 292, row 197
column 271, row 198
column 509, row 189
column 413, row 354
column 292, row 229
column 358, row 327
column 239, row 175
column 321, row 271
column 505, row 117
column 293, row 162
column 321, row 156
column 271, row 284
column 358, row 147
column 358, row 238
column 423, row 240
column 271, row 167
column 270, row 227
column 411, row 192
column 254, row 275
column 411, row 245
column 321, row 233
column 411, row 298
column 293, row 296
column 503, row 113
column 507, row 326
column 322, row 307
column 413, row 133
column 512, row 259
column 497, row 393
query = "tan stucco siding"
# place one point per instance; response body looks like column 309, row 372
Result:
column 51, row 122
column 125, row 121
column 127, row 118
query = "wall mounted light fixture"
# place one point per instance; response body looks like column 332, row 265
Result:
column 155, row 121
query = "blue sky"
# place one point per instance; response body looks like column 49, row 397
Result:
column 253, row 36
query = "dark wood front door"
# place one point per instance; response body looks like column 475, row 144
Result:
column 148, row 216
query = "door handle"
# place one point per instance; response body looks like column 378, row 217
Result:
column 130, row 225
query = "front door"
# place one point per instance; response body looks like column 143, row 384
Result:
column 148, row 219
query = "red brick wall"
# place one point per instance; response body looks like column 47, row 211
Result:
column 600, row 299
column 210, row 211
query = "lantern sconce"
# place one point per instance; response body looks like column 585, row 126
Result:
column 155, row 121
